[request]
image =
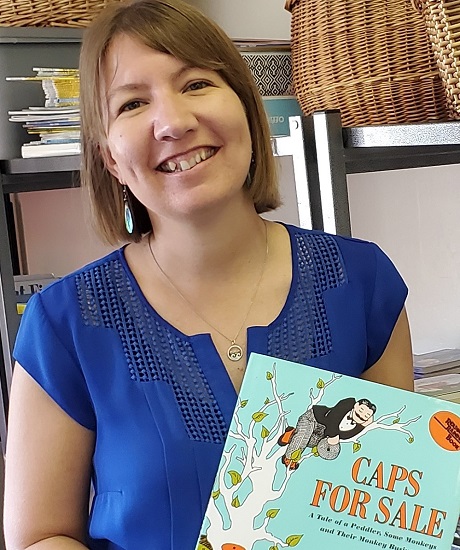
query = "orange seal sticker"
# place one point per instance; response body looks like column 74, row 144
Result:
column 445, row 430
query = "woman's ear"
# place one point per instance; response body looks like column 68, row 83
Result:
column 108, row 160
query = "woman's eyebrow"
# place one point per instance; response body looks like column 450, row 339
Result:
column 136, row 87
column 125, row 88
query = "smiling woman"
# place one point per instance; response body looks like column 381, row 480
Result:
column 195, row 43
column 128, row 369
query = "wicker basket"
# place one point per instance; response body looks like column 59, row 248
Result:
column 49, row 13
column 371, row 59
column 443, row 24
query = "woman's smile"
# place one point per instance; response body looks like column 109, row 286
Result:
column 187, row 161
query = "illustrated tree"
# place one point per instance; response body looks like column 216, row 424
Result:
column 238, row 517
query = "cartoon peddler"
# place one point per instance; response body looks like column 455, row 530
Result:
column 324, row 427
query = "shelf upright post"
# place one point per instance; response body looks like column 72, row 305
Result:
column 302, row 149
column 9, row 318
column 332, row 175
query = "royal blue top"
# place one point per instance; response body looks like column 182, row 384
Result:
column 160, row 402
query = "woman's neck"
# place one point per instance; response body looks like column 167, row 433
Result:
column 226, row 243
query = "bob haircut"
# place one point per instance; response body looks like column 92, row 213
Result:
column 178, row 29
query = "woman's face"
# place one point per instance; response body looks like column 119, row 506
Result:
column 177, row 135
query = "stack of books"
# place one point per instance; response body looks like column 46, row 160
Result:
column 437, row 374
column 57, row 123
column 437, row 362
column 27, row 285
column 442, row 386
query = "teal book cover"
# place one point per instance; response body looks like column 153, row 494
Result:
column 279, row 109
column 314, row 459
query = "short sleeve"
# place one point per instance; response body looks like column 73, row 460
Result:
column 387, row 301
column 40, row 350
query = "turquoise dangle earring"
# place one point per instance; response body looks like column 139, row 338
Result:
column 129, row 219
column 248, row 181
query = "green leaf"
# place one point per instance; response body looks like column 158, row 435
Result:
column 410, row 440
column 264, row 433
column 259, row 416
column 396, row 420
column 272, row 513
column 295, row 456
column 216, row 494
column 267, row 401
column 236, row 502
column 269, row 375
column 315, row 451
column 356, row 447
column 236, row 477
column 273, row 548
column 320, row 384
column 244, row 403
column 293, row 540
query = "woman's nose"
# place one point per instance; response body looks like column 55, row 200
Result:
column 173, row 118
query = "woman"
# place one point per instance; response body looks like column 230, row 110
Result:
column 127, row 370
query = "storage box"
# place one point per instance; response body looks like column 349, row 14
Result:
column 271, row 70
column 21, row 49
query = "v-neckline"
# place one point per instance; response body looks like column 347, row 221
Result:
column 202, row 343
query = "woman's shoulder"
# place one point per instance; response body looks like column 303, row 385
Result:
column 347, row 257
column 87, row 271
column 316, row 236
column 322, row 246
column 65, row 294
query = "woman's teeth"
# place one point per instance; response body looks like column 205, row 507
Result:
column 184, row 165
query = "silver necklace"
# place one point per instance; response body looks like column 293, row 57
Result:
column 234, row 351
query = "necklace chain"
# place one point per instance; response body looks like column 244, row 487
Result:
column 234, row 352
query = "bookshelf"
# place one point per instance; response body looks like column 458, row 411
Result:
column 18, row 176
column 323, row 153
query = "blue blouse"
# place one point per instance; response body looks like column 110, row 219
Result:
column 160, row 402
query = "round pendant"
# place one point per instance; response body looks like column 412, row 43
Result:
column 235, row 352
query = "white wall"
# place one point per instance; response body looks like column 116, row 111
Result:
column 414, row 216
column 248, row 18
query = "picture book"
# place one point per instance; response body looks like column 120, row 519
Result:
column 316, row 459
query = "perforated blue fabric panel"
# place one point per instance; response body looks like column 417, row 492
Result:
column 304, row 329
column 152, row 350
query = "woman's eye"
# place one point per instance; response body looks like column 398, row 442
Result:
column 131, row 105
column 198, row 85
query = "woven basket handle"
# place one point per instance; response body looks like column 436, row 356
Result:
column 289, row 4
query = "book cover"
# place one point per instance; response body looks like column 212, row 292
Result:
column 279, row 109
column 315, row 459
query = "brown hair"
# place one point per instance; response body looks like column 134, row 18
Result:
column 176, row 28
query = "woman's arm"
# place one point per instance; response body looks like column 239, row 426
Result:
column 395, row 366
column 47, row 472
